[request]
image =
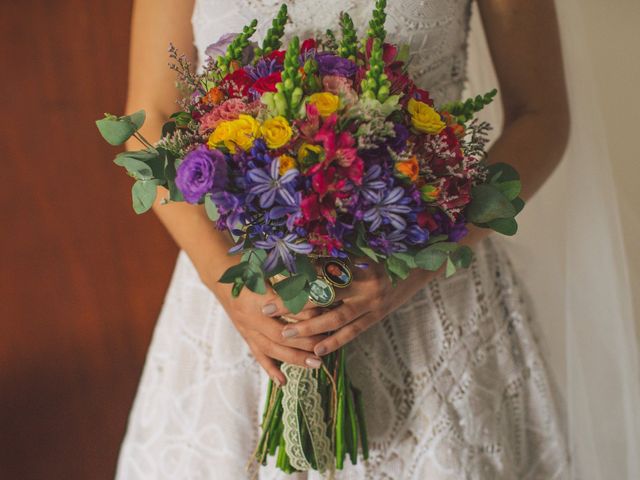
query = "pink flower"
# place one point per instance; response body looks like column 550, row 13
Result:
column 309, row 127
column 227, row 110
column 341, row 86
column 341, row 150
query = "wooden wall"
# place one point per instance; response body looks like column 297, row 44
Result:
column 81, row 276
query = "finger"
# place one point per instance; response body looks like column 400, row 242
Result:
column 303, row 315
column 273, row 306
column 287, row 354
column 270, row 366
column 327, row 322
column 344, row 335
column 272, row 329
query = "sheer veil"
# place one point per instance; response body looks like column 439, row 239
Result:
column 569, row 253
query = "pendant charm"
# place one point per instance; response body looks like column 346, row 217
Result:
column 322, row 293
column 337, row 273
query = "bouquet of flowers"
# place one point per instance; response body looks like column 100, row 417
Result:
column 313, row 156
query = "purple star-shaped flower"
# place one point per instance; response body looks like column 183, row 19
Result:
column 388, row 208
column 272, row 185
column 283, row 248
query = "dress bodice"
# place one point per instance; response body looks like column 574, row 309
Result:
column 436, row 31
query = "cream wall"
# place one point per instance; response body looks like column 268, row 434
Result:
column 614, row 39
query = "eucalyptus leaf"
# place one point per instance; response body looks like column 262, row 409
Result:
column 117, row 130
column 137, row 168
column 290, row 287
column 518, row 204
column 503, row 172
column 437, row 238
column 255, row 281
column 398, row 266
column 211, row 209
column 462, row 257
column 297, row 303
column 407, row 257
column 510, row 189
column 143, row 194
column 233, row 273
column 450, row 268
column 487, row 204
column 505, row 226
column 305, row 268
column 430, row 259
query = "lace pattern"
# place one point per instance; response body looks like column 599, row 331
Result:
column 454, row 382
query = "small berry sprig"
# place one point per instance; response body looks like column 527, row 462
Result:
column 289, row 90
column 349, row 44
column 376, row 84
column 235, row 48
column 272, row 40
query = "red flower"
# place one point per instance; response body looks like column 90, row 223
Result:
column 425, row 219
column 389, row 51
column 454, row 193
column 237, row 83
column 308, row 44
column 278, row 55
column 268, row 83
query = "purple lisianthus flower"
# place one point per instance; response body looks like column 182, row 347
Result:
column 330, row 64
column 201, row 171
column 399, row 141
column 219, row 48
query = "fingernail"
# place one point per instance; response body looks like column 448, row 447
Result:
column 320, row 350
column 313, row 362
column 290, row 332
column 269, row 309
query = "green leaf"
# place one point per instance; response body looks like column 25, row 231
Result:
column 407, row 257
column 503, row 172
column 505, row 226
column 117, row 130
column 143, row 194
column 211, row 209
column 305, row 268
column 430, row 258
column 149, row 157
column 168, row 128
column 362, row 245
column 437, row 238
column 510, row 189
column 518, row 204
column 238, row 285
column 233, row 273
column 137, row 168
column 450, row 269
column 398, row 266
column 487, row 204
column 255, row 280
column 291, row 287
column 297, row 303
column 446, row 247
column 462, row 257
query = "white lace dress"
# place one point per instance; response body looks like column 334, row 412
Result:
column 454, row 382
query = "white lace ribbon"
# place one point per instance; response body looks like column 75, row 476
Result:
column 301, row 391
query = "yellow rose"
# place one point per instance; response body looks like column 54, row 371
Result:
column 222, row 134
column 424, row 118
column 245, row 130
column 326, row 102
column 287, row 162
column 306, row 149
column 276, row 132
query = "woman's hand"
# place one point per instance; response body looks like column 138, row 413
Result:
column 368, row 299
column 256, row 319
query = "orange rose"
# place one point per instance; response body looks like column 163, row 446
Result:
column 409, row 168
